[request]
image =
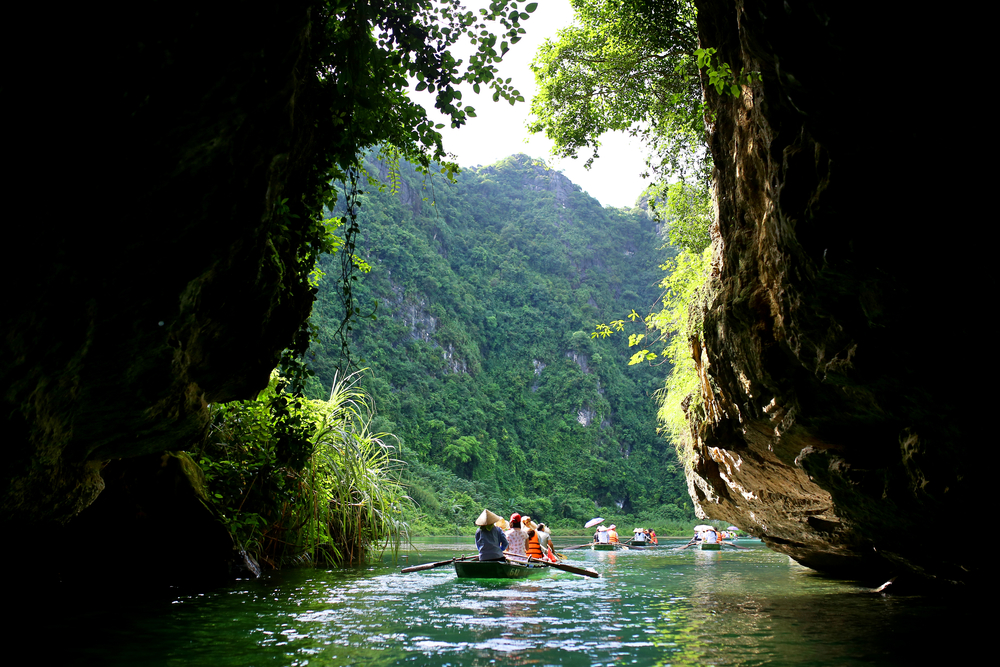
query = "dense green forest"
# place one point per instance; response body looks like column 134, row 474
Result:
column 480, row 357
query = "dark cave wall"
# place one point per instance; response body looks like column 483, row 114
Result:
column 159, row 142
column 831, row 426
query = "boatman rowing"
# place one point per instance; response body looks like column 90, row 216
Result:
column 490, row 540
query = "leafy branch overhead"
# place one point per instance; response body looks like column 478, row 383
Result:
column 373, row 52
column 624, row 65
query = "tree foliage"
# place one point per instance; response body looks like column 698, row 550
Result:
column 484, row 290
column 372, row 53
column 625, row 65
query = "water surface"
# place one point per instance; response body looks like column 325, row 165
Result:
column 662, row 607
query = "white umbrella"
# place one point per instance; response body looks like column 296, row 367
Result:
column 702, row 527
column 593, row 522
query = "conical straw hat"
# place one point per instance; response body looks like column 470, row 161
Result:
column 487, row 518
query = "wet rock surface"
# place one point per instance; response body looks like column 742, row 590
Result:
column 827, row 425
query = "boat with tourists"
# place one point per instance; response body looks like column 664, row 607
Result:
column 498, row 569
column 509, row 555
column 642, row 538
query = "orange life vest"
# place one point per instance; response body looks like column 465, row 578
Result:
column 534, row 548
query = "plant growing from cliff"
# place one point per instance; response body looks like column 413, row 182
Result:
column 721, row 75
column 670, row 332
column 301, row 480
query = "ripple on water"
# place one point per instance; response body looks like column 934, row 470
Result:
column 649, row 608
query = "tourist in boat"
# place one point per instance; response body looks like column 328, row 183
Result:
column 711, row 536
column 652, row 537
column 516, row 538
column 639, row 537
column 602, row 535
column 613, row 534
column 490, row 540
column 533, row 546
column 545, row 541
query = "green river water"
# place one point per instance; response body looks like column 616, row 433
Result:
column 655, row 607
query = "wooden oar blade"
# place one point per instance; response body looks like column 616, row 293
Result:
column 567, row 568
column 431, row 566
column 427, row 566
column 575, row 570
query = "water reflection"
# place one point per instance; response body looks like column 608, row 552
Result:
column 654, row 607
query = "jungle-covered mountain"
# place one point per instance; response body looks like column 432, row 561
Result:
column 480, row 358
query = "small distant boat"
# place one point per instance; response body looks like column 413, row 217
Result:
column 497, row 569
column 644, row 544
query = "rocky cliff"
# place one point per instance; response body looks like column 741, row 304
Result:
column 835, row 416
column 162, row 277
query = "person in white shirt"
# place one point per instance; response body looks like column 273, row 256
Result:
column 516, row 538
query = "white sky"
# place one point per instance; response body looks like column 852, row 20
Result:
column 499, row 128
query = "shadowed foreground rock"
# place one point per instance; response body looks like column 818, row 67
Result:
column 835, row 416
column 153, row 273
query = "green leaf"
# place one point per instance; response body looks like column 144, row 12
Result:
column 531, row 7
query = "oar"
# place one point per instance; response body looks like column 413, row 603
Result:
column 730, row 544
column 558, row 566
column 685, row 546
column 431, row 566
column 579, row 546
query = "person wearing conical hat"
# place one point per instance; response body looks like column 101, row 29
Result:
column 490, row 540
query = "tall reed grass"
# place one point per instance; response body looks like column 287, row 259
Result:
column 301, row 481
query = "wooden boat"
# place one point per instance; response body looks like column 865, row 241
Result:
column 608, row 546
column 705, row 546
column 497, row 569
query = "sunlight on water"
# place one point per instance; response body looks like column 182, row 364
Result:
column 655, row 607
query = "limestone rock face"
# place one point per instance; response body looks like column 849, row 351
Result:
column 152, row 273
column 834, row 419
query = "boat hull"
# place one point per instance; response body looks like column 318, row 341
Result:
column 495, row 569
column 705, row 546
column 607, row 547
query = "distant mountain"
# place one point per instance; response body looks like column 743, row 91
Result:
column 481, row 359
